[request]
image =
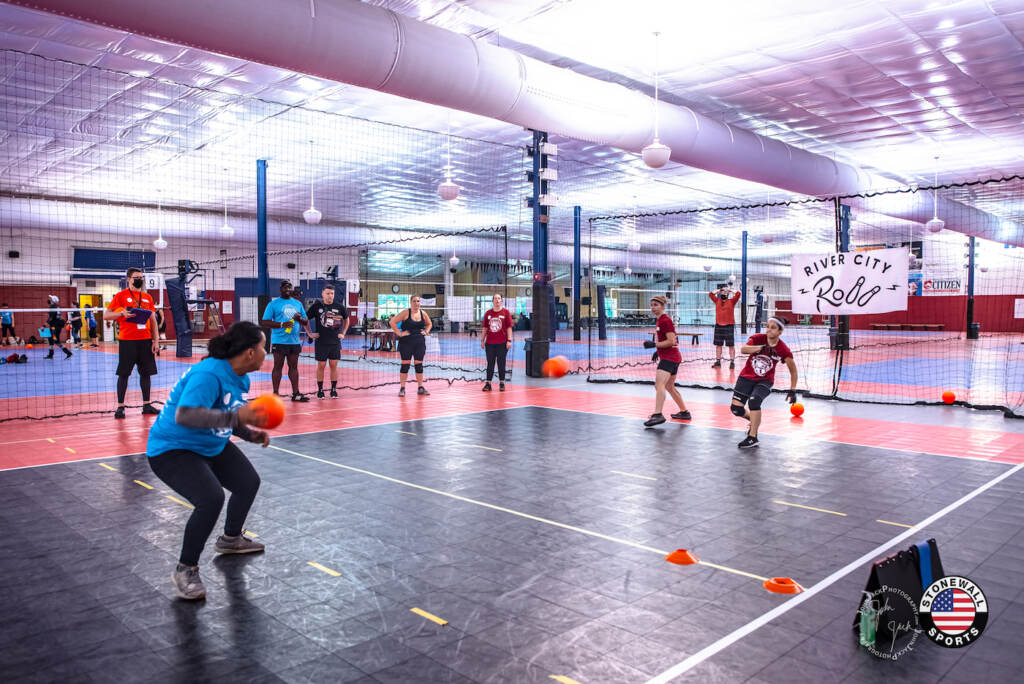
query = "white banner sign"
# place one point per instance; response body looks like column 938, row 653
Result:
column 1018, row 308
column 850, row 282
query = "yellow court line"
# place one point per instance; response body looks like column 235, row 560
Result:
column 406, row 433
column 510, row 511
column 887, row 522
column 429, row 616
column 480, row 446
column 810, row 508
column 51, row 441
column 324, row 568
column 642, row 477
column 108, row 467
column 563, row 679
column 175, row 499
column 69, row 449
column 250, row 533
column 142, row 484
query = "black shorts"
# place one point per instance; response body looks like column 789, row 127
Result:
column 412, row 347
column 724, row 335
column 132, row 353
column 327, row 352
column 8, row 330
column 286, row 349
column 670, row 367
column 747, row 389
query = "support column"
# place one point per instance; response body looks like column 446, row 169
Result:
column 577, row 212
column 841, row 339
column 449, row 292
column 972, row 327
column 542, row 328
column 743, row 288
column 262, row 271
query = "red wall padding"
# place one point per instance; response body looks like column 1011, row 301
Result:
column 993, row 312
column 34, row 297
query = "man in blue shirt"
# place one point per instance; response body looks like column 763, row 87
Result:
column 284, row 316
column 7, row 322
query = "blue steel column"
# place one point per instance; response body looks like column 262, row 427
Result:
column 843, row 245
column 743, row 288
column 262, row 271
column 577, row 213
column 540, row 214
column 972, row 331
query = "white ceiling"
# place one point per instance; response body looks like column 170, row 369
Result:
column 95, row 113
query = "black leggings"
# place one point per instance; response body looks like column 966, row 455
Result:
column 496, row 352
column 122, row 387
column 202, row 480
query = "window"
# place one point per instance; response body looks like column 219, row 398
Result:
column 391, row 304
column 483, row 303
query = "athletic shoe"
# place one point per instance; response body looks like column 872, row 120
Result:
column 655, row 419
column 748, row 443
column 119, row 413
column 300, row 398
column 401, row 392
column 682, row 415
column 320, row 394
column 150, row 410
column 187, row 583
column 732, row 365
column 334, row 394
column 422, row 391
column 67, row 353
column 49, row 356
column 717, row 364
column 240, row 544
column 501, row 387
column 487, row 387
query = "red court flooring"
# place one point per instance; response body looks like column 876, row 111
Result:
column 32, row 443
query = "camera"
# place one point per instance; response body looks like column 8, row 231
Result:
column 758, row 289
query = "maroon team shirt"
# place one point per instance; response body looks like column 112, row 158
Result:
column 497, row 323
column 761, row 365
column 664, row 328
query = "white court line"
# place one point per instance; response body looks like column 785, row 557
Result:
column 642, row 477
column 726, row 641
column 294, row 434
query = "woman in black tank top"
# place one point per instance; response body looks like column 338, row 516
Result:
column 411, row 327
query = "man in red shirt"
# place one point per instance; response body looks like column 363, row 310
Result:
column 669, row 358
column 497, row 340
column 725, row 323
column 758, row 375
column 138, row 339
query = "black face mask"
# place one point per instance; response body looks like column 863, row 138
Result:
column 137, row 283
column 723, row 296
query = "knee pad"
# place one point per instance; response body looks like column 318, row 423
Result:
column 754, row 403
column 738, row 410
column 419, row 367
column 404, row 369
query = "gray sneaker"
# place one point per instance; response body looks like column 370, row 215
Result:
column 240, row 544
column 187, row 583
column 422, row 391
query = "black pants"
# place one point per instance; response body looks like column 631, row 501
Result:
column 496, row 352
column 202, row 481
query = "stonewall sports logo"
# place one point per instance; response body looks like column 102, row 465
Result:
column 954, row 611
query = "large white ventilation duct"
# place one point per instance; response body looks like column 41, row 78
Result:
column 376, row 48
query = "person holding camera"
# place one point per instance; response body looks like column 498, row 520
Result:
column 725, row 322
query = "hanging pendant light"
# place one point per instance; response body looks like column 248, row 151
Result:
column 312, row 215
column 226, row 230
column 656, row 154
column 768, row 236
column 448, row 190
column 159, row 243
column 935, row 224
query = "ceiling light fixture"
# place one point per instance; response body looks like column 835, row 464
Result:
column 448, row 190
column 935, row 224
column 159, row 243
column 656, row 154
column 226, row 230
column 312, row 215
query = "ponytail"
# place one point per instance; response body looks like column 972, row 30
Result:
column 237, row 339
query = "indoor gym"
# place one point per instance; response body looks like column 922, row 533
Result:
column 537, row 532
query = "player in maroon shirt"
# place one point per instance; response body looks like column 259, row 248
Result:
column 496, row 341
column 669, row 358
column 758, row 375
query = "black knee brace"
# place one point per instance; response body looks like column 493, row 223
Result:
column 738, row 410
column 754, row 403
column 404, row 369
column 419, row 367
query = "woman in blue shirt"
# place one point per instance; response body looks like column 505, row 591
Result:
column 189, row 448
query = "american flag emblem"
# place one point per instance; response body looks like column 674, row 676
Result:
column 953, row 611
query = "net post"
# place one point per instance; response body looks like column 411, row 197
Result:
column 972, row 327
column 576, row 258
column 743, row 287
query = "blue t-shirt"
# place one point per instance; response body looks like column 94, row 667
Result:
column 6, row 317
column 282, row 311
column 211, row 383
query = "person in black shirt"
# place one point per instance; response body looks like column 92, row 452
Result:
column 56, row 323
column 75, row 324
column 331, row 320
